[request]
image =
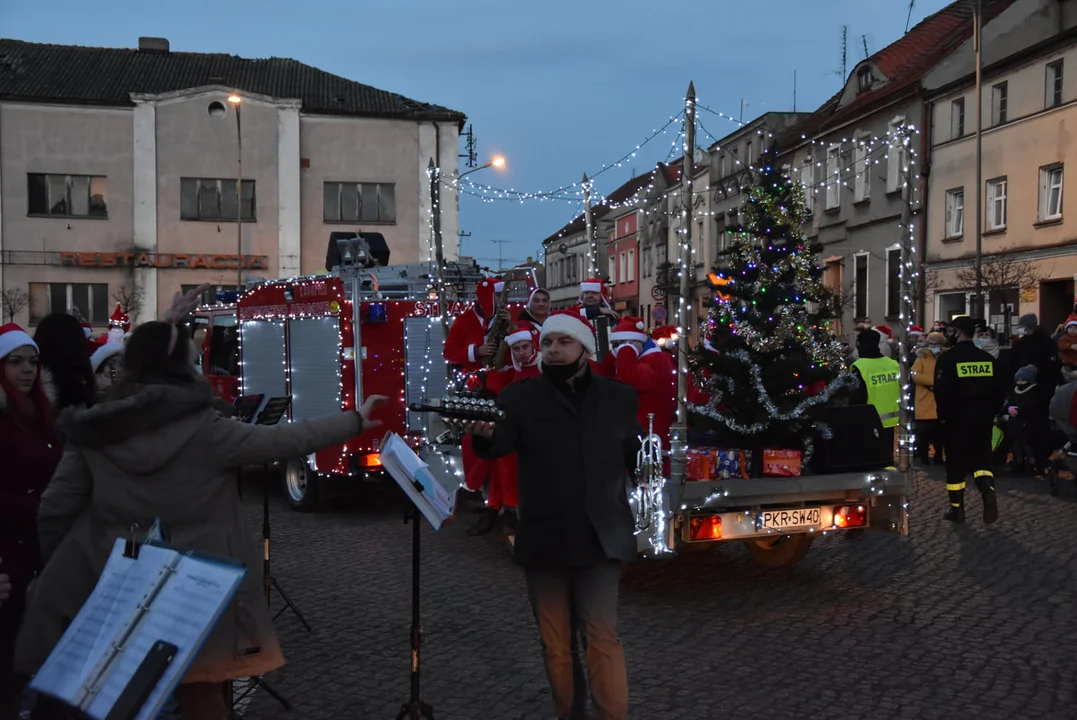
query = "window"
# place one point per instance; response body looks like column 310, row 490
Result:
column 748, row 153
column 807, row 180
column 613, row 269
column 949, row 305
column 864, row 79
column 895, row 162
column 862, row 168
column 1053, row 82
column 996, row 204
column 999, row 94
column 860, row 285
column 833, row 177
column 622, row 275
column 1051, row 193
column 70, row 196
column 87, row 301
column 631, row 266
column 214, row 199
column 359, row 202
column 955, row 213
column 721, row 165
column 957, row 118
column 893, row 282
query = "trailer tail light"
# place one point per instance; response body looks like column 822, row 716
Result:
column 705, row 527
column 850, row 516
column 370, row 461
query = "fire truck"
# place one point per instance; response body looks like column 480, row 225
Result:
column 327, row 341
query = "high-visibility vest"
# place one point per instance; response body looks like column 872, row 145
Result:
column 882, row 376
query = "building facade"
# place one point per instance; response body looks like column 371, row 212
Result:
column 567, row 264
column 120, row 181
column 622, row 259
column 1027, row 221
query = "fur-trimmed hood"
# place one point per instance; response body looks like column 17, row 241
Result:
column 142, row 432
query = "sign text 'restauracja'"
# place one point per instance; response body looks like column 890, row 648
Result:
column 182, row 261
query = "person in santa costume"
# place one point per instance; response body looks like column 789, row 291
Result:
column 502, row 500
column 106, row 363
column 119, row 325
column 594, row 299
column 537, row 308
column 467, row 349
column 642, row 365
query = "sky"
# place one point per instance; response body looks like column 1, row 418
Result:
column 557, row 87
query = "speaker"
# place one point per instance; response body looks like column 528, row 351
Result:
column 857, row 441
column 372, row 243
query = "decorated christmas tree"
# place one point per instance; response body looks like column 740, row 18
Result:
column 771, row 360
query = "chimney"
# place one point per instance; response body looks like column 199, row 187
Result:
column 153, row 44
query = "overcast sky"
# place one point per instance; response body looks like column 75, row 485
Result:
column 559, row 87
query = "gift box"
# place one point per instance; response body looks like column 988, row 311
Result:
column 701, row 463
column 781, row 463
column 732, row 464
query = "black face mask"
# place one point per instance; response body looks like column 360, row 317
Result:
column 562, row 373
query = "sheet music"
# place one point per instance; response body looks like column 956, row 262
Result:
column 187, row 605
column 435, row 501
column 197, row 592
column 87, row 640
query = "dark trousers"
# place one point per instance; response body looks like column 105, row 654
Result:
column 589, row 594
column 929, row 435
column 968, row 452
column 888, row 441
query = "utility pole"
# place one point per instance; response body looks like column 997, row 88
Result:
column 679, row 432
column 906, row 437
column 592, row 254
column 439, row 252
column 977, row 305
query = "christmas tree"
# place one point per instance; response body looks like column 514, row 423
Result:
column 772, row 360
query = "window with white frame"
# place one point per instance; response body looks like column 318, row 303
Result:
column 949, row 305
column 895, row 160
column 748, row 152
column 996, row 204
column 807, row 179
column 613, row 269
column 622, row 275
column 957, row 118
column 721, row 165
column 1053, row 82
column 862, row 168
column 860, row 285
column 1050, row 193
column 999, row 102
column 833, row 177
column 955, row 213
column 893, row 282
column 68, row 196
column 87, row 301
column 631, row 266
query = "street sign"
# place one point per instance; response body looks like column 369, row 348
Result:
column 659, row 314
column 658, row 292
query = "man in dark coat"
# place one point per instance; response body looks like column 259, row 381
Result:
column 575, row 434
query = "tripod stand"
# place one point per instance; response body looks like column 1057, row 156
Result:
column 415, row 708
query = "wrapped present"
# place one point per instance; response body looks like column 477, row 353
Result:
column 732, row 464
column 781, row 463
column 701, row 463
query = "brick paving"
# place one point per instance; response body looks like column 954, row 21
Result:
column 970, row 623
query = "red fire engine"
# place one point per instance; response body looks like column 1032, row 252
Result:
column 325, row 340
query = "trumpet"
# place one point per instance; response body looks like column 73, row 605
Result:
column 649, row 496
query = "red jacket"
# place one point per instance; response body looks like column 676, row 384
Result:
column 654, row 379
column 466, row 336
column 503, row 485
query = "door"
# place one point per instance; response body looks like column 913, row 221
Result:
column 1056, row 302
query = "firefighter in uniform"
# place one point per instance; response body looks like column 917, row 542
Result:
column 880, row 384
column 968, row 391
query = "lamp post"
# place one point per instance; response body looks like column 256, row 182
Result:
column 498, row 162
column 976, row 308
column 236, row 103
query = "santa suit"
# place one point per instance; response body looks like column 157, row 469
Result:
column 652, row 375
column 466, row 335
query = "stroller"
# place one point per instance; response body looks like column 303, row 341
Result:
column 1063, row 415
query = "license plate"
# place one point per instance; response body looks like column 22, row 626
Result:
column 789, row 519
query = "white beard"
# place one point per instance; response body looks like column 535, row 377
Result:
column 115, row 335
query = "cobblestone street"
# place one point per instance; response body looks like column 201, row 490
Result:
column 968, row 623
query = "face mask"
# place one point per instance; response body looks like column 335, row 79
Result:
column 988, row 345
column 562, row 373
column 1021, row 331
column 935, row 349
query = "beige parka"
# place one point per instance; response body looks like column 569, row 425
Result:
column 162, row 452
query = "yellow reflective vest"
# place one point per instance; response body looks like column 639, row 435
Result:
column 882, row 377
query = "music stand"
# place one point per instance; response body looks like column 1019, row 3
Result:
column 245, row 408
column 271, row 414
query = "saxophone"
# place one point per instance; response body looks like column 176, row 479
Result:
column 499, row 331
column 648, row 499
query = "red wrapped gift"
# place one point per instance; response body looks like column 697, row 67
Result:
column 701, row 463
column 781, row 463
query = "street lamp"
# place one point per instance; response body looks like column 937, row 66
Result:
column 498, row 162
column 237, row 103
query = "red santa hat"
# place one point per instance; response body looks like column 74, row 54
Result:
column 486, row 296
column 103, row 353
column 13, row 337
column 519, row 335
column 629, row 329
column 119, row 319
column 567, row 322
column 916, row 330
column 597, row 285
column 885, row 331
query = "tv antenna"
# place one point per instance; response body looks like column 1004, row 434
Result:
column 908, row 19
column 844, row 51
column 866, row 53
column 470, row 146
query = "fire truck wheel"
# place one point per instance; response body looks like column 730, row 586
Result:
column 781, row 552
column 300, row 485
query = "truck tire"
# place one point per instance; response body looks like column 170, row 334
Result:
column 300, row 485
column 780, row 552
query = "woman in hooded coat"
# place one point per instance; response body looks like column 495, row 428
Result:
column 156, row 448
column 65, row 364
